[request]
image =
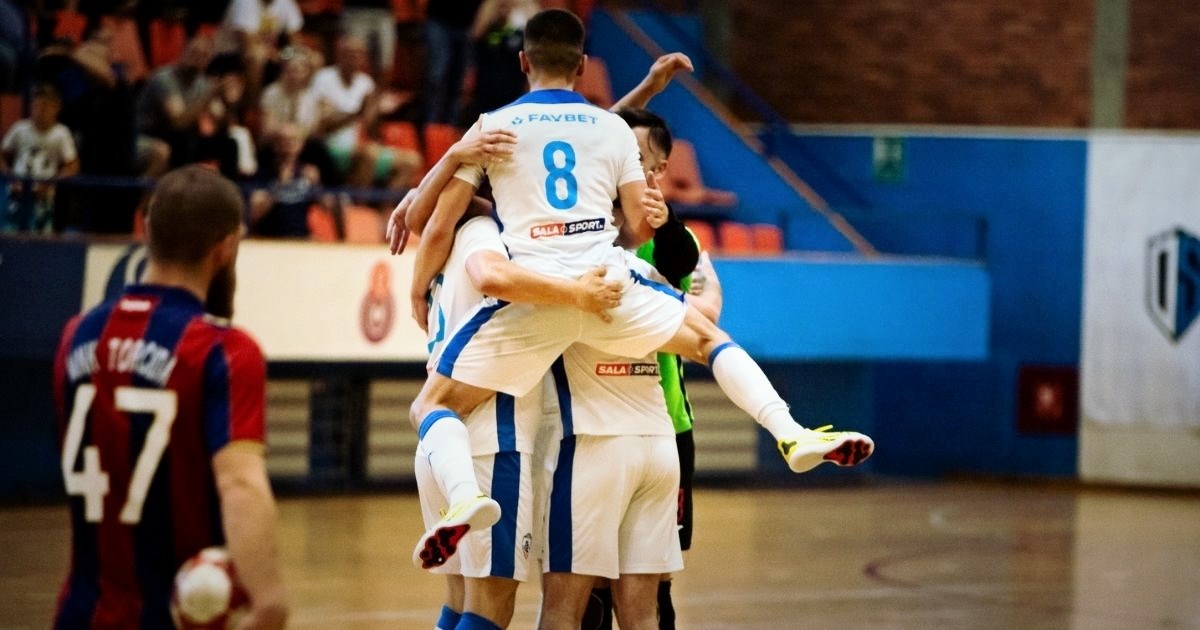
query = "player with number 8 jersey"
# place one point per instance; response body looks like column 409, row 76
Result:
column 161, row 411
column 574, row 152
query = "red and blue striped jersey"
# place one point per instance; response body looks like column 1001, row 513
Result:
column 148, row 389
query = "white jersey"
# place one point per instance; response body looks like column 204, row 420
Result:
column 612, row 395
column 453, row 295
column 502, row 423
column 554, row 195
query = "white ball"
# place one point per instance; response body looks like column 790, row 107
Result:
column 204, row 587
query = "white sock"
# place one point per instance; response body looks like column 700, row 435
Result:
column 448, row 447
column 747, row 387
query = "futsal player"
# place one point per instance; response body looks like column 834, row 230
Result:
column 161, row 426
column 554, row 201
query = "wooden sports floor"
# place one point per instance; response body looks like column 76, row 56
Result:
column 883, row 555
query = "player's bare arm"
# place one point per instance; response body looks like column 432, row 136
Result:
column 436, row 242
column 636, row 228
column 250, row 522
column 657, row 78
column 414, row 211
column 497, row 276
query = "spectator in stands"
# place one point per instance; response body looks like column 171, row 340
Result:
column 39, row 148
column 255, row 28
column 290, row 180
column 349, row 113
column 448, row 44
column 222, row 138
column 498, row 33
column 291, row 98
column 170, row 104
column 372, row 22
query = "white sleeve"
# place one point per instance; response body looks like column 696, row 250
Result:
column 10, row 138
column 470, row 173
column 245, row 15
column 293, row 20
column 480, row 234
column 66, row 144
column 631, row 163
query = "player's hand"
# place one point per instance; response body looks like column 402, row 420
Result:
column 420, row 308
column 665, row 68
column 653, row 203
column 397, row 229
column 704, row 270
column 597, row 295
column 484, row 147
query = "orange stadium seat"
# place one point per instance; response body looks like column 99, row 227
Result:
column 595, row 85
column 363, row 224
column 768, row 238
column 704, row 233
column 321, row 225
column 10, row 111
column 736, row 238
column 438, row 139
column 400, row 134
column 70, row 25
column 682, row 182
column 167, row 38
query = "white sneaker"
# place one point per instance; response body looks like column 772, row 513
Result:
column 441, row 542
column 813, row 447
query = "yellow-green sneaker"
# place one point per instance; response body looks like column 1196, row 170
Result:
column 441, row 541
column 809, row 448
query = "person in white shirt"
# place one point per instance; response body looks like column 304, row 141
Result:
column 253, row 28
column 349, row 111
column 39, row 148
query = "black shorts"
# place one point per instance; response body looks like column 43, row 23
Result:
column 687, row 470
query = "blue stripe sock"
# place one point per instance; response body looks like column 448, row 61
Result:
column 471, row 621
column 449, row 619
column 712, row 356
column 430, row 419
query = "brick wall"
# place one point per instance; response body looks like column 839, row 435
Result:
column 1162, row 84
column 971, row 62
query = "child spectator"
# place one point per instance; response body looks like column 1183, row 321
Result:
column 39, row 148
column 291, row 179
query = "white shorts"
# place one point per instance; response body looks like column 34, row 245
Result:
column 507, row 548
column 613, row 506
column 518, row 481
column 508, row 347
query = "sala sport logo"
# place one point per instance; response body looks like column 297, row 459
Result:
column 1173, row 282
column 566, row 229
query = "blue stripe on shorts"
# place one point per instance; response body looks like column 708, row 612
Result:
column 460, row 339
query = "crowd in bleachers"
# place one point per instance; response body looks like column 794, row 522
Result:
column 325, row 111
column 312, row 105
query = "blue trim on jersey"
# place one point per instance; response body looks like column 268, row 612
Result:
column 448, row 619
column 460, row 339
column 506, row 422
column 167, row 324
column 506, row 490
column 432, row 419
column 559, row 536
column 216, row 399
column 548, row 97
column 657, row 286
column 712, row 356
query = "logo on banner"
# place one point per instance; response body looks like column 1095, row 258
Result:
column 378, row 308
column 1173, row 282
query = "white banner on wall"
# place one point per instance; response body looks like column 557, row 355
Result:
column 1141, row 320
column 301, row 301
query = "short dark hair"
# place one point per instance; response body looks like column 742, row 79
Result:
column 554, row 42
column 192, row 209
column 656, row 128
